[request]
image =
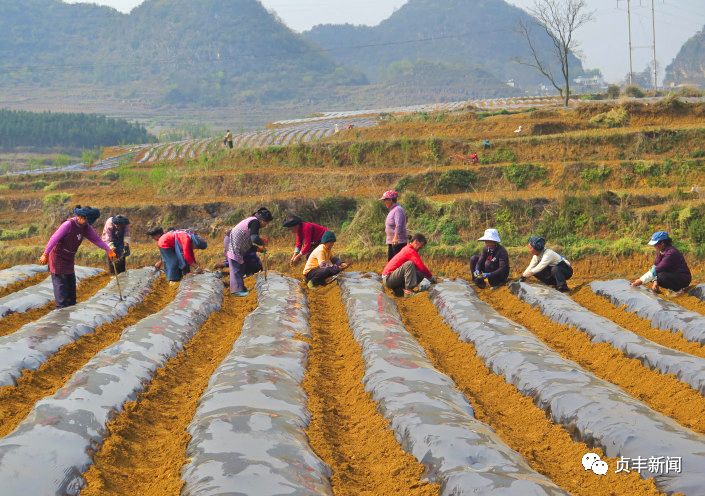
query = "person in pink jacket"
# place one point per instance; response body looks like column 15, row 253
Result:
column 395, row 224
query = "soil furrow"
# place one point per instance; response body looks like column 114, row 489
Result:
column 17, row 401
column 547, row 447
column 85, row 289
column 663, row 393
column 18, row 286
column 346, row 429
column 630, row 321
column 147, row 444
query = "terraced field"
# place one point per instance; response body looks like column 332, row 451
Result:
column 347, row 390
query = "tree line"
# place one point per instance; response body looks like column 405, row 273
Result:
column 21, row 129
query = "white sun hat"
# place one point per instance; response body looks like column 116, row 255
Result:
column 490, row 235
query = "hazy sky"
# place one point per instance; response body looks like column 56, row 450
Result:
column 604, row 41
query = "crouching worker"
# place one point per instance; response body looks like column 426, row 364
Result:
column 670, row 270
column 60, row 253
column 116, row 233
column 322, row 267
column 245, row 242
column 406, row 272
column 308, row 237
column 177, row 251
column 493, row 264
column 548, row 266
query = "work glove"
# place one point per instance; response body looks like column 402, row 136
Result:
column 476, row 274
column 43, row 259
column 112, row 255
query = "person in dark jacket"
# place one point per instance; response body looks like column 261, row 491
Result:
column 60, row 253
column 670, row 269
column 547, row 266
column 493, row 264
column 245, row 243
column 116, row 234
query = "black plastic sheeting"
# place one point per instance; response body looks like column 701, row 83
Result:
column 35, row 342
column 595, row 411
column 662, row 314
column 52, row 447
column 562, row 309
column 249, row 431
column 19, row 273
column 38, row 295
column 431, row 419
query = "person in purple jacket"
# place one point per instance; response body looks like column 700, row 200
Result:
column 61, row 249
column 395, row 225
column 670, row 270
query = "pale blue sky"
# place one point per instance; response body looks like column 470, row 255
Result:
column 604, row 41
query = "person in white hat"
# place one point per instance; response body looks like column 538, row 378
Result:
column 492, row 265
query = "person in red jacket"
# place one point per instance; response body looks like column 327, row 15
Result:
column 177, row 250
column 406, row 271
column 308, row 237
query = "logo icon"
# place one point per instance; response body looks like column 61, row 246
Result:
column 592, row 461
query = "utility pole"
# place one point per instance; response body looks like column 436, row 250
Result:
column 653, row 27
column 629, row 22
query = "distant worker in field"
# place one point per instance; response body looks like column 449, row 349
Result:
column 670, row 269
column 486, row 144
column 395, row 224
column 245, row 243
column 60, row 252
column 492, row 265
column 228, row 139
column 547, row 266
column 406, row 272
column 177, row 249
column 322, row 267
column 116, row 233
column 308, row 237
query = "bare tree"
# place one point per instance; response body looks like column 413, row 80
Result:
column 560, row 19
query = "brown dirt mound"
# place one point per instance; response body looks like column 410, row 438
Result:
column 147, row 446
column 18, row 286
column 16, row 402
column 346, row 429
column 663, row 393
column 547, row 447
column 84, row 291
column 636, row 324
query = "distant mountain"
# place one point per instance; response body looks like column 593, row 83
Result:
column 473, row 36
column 689, row 65
column 204, row 52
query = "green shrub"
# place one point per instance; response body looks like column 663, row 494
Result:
column 54, row 200
column 699, row 153
column 434, row 149
column 499, row 156
column 520, row 175
column 12, row 234
column 613, row 91
column 616, row 117
column 453, row 181
column 596, row 174
column 634, row 91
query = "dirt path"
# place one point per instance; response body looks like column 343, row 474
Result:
column 663, row 393
column 346, row 429
column 547, row 447
column 17, row 401
column 18, row 286
column 630, row 321
column 147, row 446
column 85, row 289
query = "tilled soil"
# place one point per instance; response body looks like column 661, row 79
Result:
column 18, row 286
column 523, row 426
column 346, row 429
column 147, row 444
column 17, row 401
column 663, row 393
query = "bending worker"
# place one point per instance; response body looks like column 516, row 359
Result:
column 61, row 249
column 406, row 272
column 177, row 250
column 116, row 233
column 548, row 266
column 395, row 224
column 245, row 242
column 493, row 264
column 322, row 267
column 308, row 237
column 670, row 269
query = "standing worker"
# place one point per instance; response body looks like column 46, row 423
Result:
column 245, row 242
column 322, row 267
column 548, row 266
column 116, row 233
column 308, row 237
column 228, row 139
column 670, row 269
column 395, row 224
column 177, row 250
column 406, row 271
column 60, row 252
column 493, row 264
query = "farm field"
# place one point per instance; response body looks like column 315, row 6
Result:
column 346, row 389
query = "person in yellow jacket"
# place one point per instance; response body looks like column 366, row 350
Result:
column 322, row 267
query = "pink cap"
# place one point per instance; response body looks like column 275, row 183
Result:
column 390, row 195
